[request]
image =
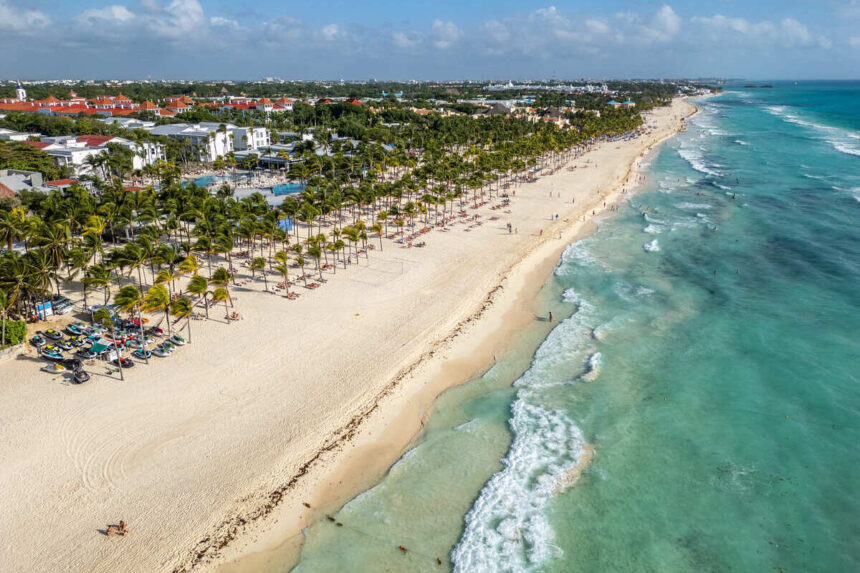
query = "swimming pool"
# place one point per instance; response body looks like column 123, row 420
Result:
column 287, row 188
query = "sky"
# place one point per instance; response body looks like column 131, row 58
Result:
column 429, row 40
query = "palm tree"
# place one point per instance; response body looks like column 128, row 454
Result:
column 129, row 299
column 199, row 286
column 284, row 271
column 103, row 317
column 221, row 294
column 259, row 264
column 300, row 260
column 377, row 228
column 98, row 276
column 166, row 276
column 183, row 308
column 315, row 251
column 157, row 298
column 4, row 308
column 189, row 264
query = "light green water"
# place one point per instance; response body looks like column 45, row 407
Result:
column 709, row 353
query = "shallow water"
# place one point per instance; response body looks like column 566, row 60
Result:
column 710, row 357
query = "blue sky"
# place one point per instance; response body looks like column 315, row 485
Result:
column 442, row 39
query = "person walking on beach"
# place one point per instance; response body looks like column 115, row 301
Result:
column 550, row 316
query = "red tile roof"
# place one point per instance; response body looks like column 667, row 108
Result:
column 38, row 144
column 5, row 192
column 19, row 106
column 284, row 100
column 72, row 109
column 61, row 182
column 149, row 106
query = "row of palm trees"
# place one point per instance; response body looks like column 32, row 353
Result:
column 147, row 240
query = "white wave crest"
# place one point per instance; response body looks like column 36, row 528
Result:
column 593, row 371
column 576, row 253
column 507, row 528
column 838, row 138
column 651, row 246
column 696, row 161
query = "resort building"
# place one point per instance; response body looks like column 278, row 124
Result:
column 12, row 135
column 244, row 138
column 66, row 153
column 13, row 181
column 285, row 103
column 129, row 122
column 208, row 143
column 66, row 149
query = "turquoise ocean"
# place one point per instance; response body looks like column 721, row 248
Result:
column 709, row 353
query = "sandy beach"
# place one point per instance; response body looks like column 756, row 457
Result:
column 211, row 455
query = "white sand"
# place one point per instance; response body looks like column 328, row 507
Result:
column 192, row 445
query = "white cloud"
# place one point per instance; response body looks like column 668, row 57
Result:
column 854, row 42
column 220, row 22
column 283, row 29
column 667, row 21
column 569, row 39
column 596, row 26
column 664, row 26
column 548, row 32
column 331, row 32
column 21, row 21
column 178, row 20
column 445, row 34
column 405, row 39
column 787, row 33
column 497, row 31
column 109, row 14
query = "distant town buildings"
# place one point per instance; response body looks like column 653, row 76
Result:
column 120, row 105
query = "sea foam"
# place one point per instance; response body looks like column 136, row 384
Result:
column 696, row 161
column 651, row 246
column 507, row 527
column 840, row 139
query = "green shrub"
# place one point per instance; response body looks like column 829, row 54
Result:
column 16, row 331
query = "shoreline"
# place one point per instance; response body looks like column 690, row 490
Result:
column 210, row 456
column 507, row 309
